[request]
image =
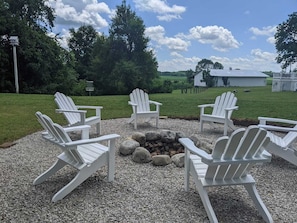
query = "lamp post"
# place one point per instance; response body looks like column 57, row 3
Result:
column 14, row 41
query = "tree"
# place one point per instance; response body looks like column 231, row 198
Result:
column 209, row 80
column 218, row 66
column 286, row 41
column 81, row 44
column 190, row 76
column 129, row 46
column 43, row 65
column 204, row 64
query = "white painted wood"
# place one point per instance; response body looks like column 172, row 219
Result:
column 74, row 115
column 281, row 146
column 85, row 155
column 222, row 110
column 139, row 100
column 229, row 164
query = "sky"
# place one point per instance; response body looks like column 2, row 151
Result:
column 239, row 34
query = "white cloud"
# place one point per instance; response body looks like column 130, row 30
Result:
column 166, row 13
column 157, row 34
column 175, row 54
column 179, row 64
column 80, row 12
column 264, row 56
column 265, row 31
column 219, row 38
column 168, row 17
column 61, row 38
column 271, row 40
column 257, row 60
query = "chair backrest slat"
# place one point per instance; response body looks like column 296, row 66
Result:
column 238, row 153
column 226, row 100
column 66, row 103
column 58, row 136
column 140, row 98
column 71, row 153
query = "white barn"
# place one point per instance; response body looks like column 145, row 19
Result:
column 235, row 78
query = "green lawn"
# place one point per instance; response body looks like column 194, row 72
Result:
column 18, row 119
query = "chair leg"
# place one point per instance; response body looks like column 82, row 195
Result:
column 53, row 169
column 85, row 134
column 135, row 122
column 111, row 161
column 133, row 118
column 206, row 203
column 225, row 129
column 81, row 176
column 98, row 128
column 157, row 122
column 187, row 169
column 201, row 125
column 251, row 189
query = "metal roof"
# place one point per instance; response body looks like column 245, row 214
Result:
column 236, row 73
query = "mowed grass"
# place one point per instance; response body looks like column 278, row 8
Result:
column 17, row 111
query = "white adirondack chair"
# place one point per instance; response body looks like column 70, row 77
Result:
column 139, row 100
column 85, row 155
column 222, row 110
column 73, row 115
column 281, row 146
column 229, row 164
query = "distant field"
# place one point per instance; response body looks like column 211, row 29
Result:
column 174, row 78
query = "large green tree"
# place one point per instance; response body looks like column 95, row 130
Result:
column 81, row 43
column 129, row 50
column 286, row 41
column 43, row 65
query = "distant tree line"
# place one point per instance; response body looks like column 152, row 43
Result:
column 116, row 63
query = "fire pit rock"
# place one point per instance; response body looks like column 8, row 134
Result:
column 159, row 148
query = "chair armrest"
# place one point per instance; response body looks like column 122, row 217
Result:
column 92, row 140
column 81, row 112
column 155, row 102
column 277, row 128
column 85, row 130
column 97, row 108
column 263, row 120
column 132, row 103
column 77, row 128
column 89, row 107
column 205, row 105
column 202, row 107
column 231, row 108
column 73, row 111
column 188, row 144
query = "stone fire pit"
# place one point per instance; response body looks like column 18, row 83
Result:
column 159, row 148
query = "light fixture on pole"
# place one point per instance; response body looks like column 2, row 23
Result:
column 14, row 41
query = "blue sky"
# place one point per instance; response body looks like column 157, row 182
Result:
column 235, row 33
